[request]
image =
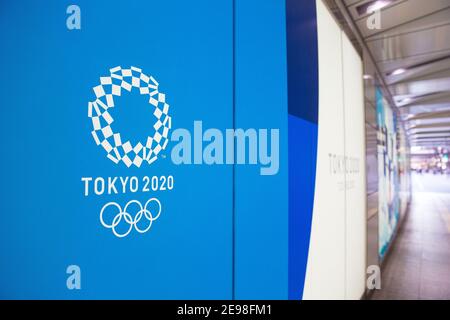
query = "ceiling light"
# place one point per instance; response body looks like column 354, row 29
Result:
column 372, row 6
column 398, row 72
column 367, row 77
column 406, row 100
column 378, row 5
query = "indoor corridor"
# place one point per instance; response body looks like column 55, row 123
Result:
column 418, row 265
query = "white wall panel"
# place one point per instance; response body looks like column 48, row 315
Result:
column 337, row 252
column 325, row 273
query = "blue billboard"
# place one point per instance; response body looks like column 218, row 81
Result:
column 157, row 149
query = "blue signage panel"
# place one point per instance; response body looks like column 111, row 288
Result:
column 78, row 107
column 303, row 97
column 261, row 209
column 157, row 149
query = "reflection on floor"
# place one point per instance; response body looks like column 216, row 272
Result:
column 419, row 265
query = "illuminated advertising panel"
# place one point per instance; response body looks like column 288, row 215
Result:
column 388, row 180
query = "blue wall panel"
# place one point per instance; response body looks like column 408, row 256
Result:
column 46, row 223
column 261, row 102
column 302, row 61
column 225, row 231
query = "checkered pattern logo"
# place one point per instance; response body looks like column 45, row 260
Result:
column 112, row 86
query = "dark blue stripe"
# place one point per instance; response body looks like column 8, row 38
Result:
column 302, row 176
column 303, row 89
column 301, row 28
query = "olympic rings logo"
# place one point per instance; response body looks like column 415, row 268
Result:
column 142, row 219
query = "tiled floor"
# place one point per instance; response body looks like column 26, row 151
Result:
column 419, row 265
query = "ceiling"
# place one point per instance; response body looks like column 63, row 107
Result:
column 411, row 50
